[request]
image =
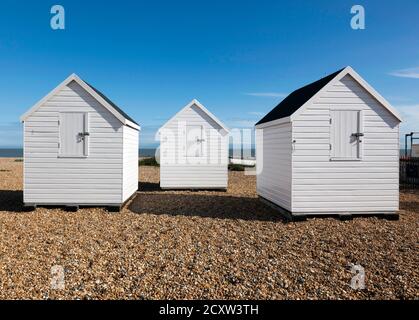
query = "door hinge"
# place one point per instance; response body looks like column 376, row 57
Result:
column 58, row 145
column 58, row 122
column 330, row 120
column 330, row 146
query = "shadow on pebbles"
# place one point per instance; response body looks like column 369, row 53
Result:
column 200, row 244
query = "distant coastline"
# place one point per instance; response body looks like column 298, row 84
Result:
column 143, row 152
column 11, row 153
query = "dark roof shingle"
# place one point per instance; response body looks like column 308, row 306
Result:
column 112, row 104
column 297, row 99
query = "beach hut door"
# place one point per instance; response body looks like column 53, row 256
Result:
column 74, row 134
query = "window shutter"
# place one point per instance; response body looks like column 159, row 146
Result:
column 346, row 134
column 194, row 141
column 72, row 131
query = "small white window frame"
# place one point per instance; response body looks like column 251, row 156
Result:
column 201, row 156
column 86, row 124
column 360, row 129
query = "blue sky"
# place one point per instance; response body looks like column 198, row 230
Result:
column 239, row 58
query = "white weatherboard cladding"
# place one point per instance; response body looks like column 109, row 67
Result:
column 206, row 166
column 130, row 162
column 370, row 184
column 95, row 179
column 273, row 153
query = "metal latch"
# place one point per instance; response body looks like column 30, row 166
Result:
column 82, row 135
column 357, row 135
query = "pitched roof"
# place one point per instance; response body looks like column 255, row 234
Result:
column 96, row 94
column 112, row 104
column 195, row 102
column 297, row 99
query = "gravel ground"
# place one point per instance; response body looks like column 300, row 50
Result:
column 200, row 245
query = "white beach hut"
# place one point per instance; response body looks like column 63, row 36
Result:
column 331, row 147
column 79, row 149
column 194, row 150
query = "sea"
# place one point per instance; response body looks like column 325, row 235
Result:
column 143, row 152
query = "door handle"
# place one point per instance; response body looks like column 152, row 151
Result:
column 83, row 135
column 357, row 135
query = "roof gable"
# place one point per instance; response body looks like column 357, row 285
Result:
column 96, row 94
column 196, row 103
column 297, row 99
column 296, row 102
column 126, row 116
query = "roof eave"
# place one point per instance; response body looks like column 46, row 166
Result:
column 90, row 90
column 132, row 125
column 361, row 82
column 24, row 116
column 374, row 93
column 197, row 103
column 318, row 93
column 273, row 123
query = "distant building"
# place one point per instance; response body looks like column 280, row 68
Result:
column 194, row 150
